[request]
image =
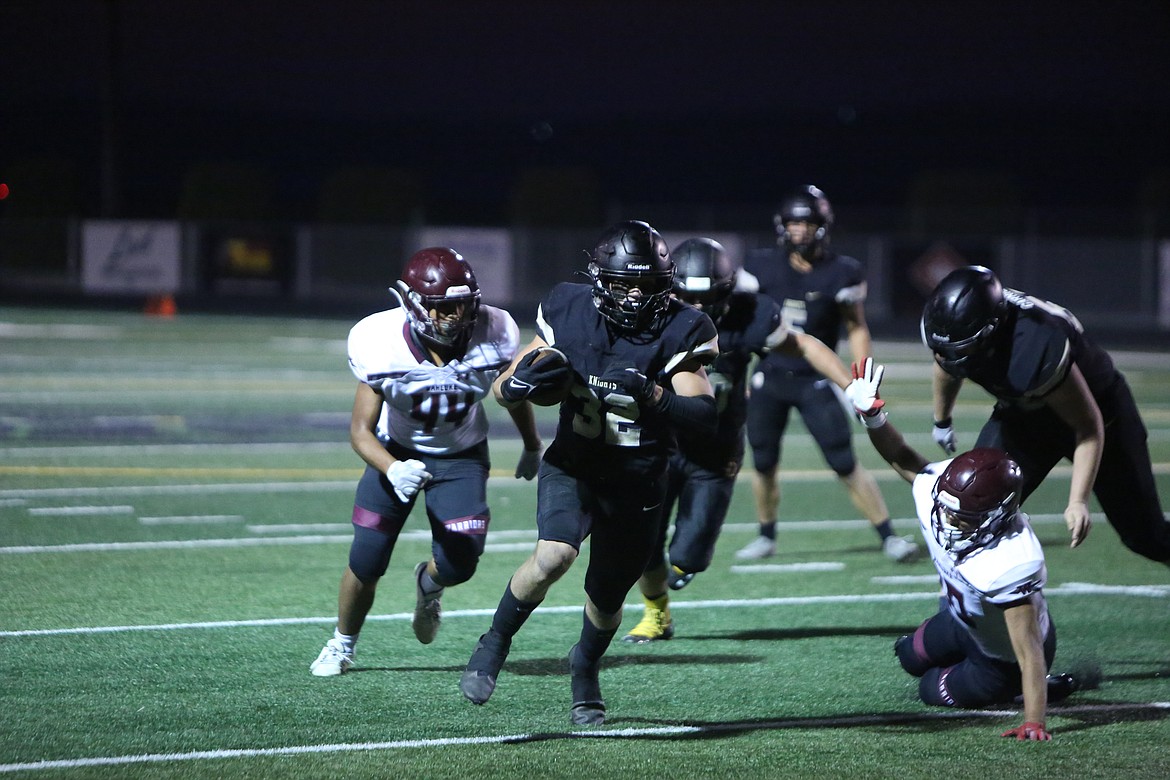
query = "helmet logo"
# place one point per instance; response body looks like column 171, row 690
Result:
column 460, row 291
column 638, row 267
column 949, row 501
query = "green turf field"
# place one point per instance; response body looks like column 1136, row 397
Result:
column 174, row 507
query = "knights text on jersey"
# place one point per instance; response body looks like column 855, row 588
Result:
column 977, row 587
column 809, row 302
column 430, row 408
column 750, row 326
column 600, row 434
column 1044, row 341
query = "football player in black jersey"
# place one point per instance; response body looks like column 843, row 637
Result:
column 1058, row 395
column 820, row 293
column 636, row 357
column 702, row 472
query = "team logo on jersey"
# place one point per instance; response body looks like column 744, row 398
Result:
column 1024, row 588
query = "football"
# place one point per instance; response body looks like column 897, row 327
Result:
column 553, row 392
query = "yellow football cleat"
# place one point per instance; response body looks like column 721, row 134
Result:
column 655, row 623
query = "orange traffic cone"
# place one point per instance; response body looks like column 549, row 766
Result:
column 161, row 306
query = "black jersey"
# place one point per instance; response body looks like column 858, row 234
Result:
column 749, row 327
column 809, row 302
column 1033, row 351
column 596, row 435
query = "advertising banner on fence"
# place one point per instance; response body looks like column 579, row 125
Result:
column 120, row 256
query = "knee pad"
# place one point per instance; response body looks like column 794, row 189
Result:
column 840, row 459
column 912, row 663
column 369, row 554
column 456, row 560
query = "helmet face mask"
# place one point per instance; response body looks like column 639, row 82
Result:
column 441, row 297
column 704, row 275
column 975, row 499
column 961, row 318
column 809, row 205
column 632, row 274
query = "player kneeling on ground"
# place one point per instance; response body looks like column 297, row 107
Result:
column 994, row 640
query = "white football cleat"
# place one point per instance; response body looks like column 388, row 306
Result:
column 900, row 549
column 333, row 660
column 760, row 547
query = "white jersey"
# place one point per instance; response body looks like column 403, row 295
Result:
column 432, row 409
column 1008, row 570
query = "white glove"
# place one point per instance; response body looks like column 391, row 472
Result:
column 529, row 463
column 407, row 477
column 863, row 393
column 944, row 436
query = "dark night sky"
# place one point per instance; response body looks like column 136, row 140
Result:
column 720, row 101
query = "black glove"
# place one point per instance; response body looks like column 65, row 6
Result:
column 631, row 382
column 540, row 368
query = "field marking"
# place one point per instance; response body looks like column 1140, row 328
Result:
column 878, row 719
column 73, row 511
column 191, row 520
column 905, row 579
column 1069, row 589
column 345, row 537
column 770, row 568
column 497, row 477
column 174, row 471
column 278, row 448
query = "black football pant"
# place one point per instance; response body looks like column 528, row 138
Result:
column 952, row 669
column 702, row 497
column 1125, row 486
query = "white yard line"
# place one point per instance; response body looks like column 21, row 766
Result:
column 191, row 520
column 1068, row 589
column 1135, row 709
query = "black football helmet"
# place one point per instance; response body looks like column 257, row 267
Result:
column 806, row 204
column 632, row 273
column 704, row 275
column 961, row 316
column 975, row 500
column 439, row 279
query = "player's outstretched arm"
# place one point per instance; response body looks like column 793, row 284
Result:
column 1073, row 403
column 864, row 393
column 823, row 359
column 1028, row 644
column 945, row 391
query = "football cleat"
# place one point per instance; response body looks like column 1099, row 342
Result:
column 760, row 547
column 428, row 611
column 1085, row 677
column 588, row 707
column 654, row 625
column 900, row 549
column 677, row 579
column 479, row 679
column 334, row 660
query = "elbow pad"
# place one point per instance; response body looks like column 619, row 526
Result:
column 696, row 412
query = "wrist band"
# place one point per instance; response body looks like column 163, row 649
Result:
column 943, row 423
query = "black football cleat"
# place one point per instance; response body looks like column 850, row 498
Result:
column 588, row 707
column 479, row 679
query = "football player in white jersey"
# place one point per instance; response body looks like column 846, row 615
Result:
column 423, row 370
column 994, row 639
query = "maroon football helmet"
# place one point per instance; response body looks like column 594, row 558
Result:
column 439, row 280
column 975, row 499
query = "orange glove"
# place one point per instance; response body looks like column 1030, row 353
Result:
column 1029, row 731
